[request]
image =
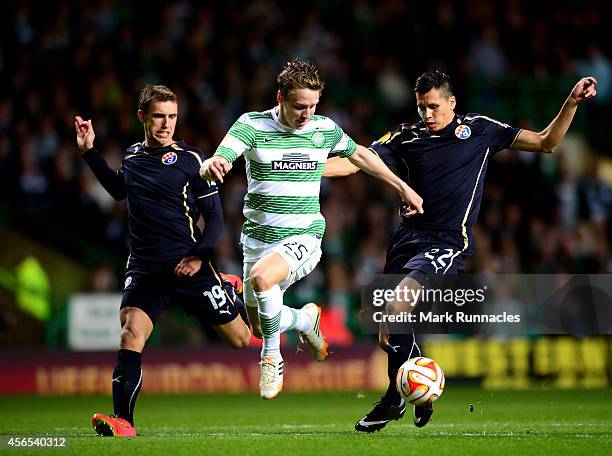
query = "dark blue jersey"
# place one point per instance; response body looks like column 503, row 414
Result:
column 165, row 197
column 447, row 169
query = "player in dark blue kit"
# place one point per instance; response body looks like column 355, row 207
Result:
column 170, row 259
column 443, row 158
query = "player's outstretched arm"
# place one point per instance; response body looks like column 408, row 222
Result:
column 215, row 168
column 551, row 136
column 339, row 167
column 372, row 164
column 112, row 180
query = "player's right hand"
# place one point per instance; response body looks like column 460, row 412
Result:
column 215, row 168
column 85, row 134
column 412, row 203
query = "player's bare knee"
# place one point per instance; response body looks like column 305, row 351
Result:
column 132, row 339
column 241, row 341
column 260, row 281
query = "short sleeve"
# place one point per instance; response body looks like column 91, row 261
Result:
column 239, row 139
column 500, row 136
column 343, row 145
column 387, row 148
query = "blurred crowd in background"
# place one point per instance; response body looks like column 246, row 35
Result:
column 513, row 60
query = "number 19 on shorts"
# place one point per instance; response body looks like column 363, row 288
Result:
column 217, row 296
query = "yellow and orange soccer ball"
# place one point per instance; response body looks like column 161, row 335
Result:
column 420, row 381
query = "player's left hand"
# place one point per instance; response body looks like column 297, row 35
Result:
column 585, row 89
column 188, row 266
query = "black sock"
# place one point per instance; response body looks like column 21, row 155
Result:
column 398, row 352
column 127, row 379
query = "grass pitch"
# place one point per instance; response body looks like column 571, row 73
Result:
column 535, row 422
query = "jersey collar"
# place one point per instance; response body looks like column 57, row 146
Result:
column 450, row 128
column 178, row 144
column 278, row 122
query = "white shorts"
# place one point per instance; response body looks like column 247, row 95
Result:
column 302, row 253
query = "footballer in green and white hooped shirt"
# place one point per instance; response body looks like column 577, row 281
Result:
column 285, row 149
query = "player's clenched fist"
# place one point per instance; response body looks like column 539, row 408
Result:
column 215, row 168
column 412, row 203
column 585, row 89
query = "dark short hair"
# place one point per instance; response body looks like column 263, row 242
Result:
column 299, row 74
column 434, row 79
column 154, row 93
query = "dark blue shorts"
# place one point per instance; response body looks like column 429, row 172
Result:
column 417, row 252
column 154, row 287
column 422, row 255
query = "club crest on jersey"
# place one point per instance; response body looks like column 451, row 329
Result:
column 169, row 158
column 463, row 132
column 318, row 139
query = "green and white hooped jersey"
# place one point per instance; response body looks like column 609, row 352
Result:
column 284, row 169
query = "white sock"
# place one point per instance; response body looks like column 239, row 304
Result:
column 269, row 304
column 294, row 319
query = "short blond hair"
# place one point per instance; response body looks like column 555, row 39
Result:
column 299, row 74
